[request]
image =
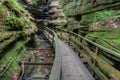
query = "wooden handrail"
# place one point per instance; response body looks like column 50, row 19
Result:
column 100, row 66
column 111, row 52
column 56, row 69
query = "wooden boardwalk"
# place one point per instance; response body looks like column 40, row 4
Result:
column 72, row 66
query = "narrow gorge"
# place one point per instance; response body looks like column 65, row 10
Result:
column 32, row 31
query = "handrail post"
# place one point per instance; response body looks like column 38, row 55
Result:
column 61, row 34
column 81, row 40
column 69, row 35
column 95, row 63
column 80, row 47
column 97, row 50
column 97, row 54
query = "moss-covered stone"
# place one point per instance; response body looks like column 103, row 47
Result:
column 10, row 60
column 15, row 31
column 90, row 18
column 108, row 38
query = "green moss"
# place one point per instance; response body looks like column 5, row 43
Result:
column 14, row 23
column 10, row 60
column 93, row 17
column 104, row 71
column 14, row 26
column 14, row 7
column 14, row 67
column 86, row 6
column 3, row 14
column 7, row 42
column 2, row 9
column 109, row 39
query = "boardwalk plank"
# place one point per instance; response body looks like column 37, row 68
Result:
column 72, row 66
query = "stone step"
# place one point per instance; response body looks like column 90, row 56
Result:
column 40, row 76
column 35, row 63
column 54, row 4
column 45, row 13
column 52, row 10
column 58, row 22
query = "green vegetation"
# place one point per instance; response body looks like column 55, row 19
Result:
column 90, row 18
column 15, row 27
column 101, row 18
column 14, row 23
column 72, row 24
column 14, row 7
column 11, row 59
column 110, row 39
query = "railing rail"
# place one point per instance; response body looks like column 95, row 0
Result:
column 94, row 57
column 56, row 69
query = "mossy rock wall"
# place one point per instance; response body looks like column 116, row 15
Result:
column 16, row 29
column 104, row 15
column 10, row 60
